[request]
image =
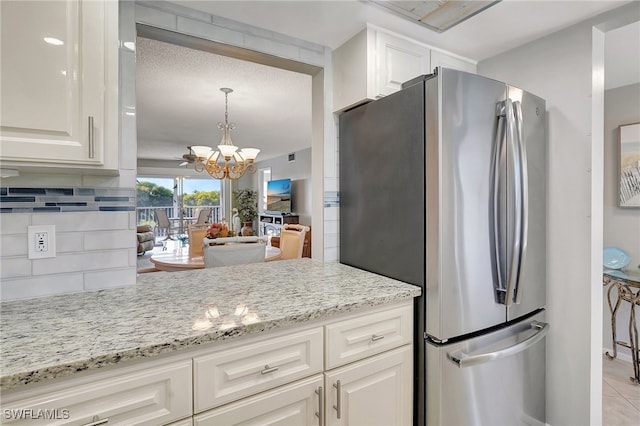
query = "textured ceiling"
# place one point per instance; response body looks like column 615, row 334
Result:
column 179, row 102
column 178, row 97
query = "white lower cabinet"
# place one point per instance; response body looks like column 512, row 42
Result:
column 367, row 378
column 352, row 370
column 153, row 396
column 295, row 405
column 374, row 391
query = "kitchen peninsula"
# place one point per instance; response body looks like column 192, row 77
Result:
column 205, row 345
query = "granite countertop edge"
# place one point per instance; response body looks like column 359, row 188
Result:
column 55, row 370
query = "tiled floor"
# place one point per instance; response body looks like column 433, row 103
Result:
column 620, row 397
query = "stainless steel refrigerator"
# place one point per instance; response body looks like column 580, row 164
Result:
column 443, row 185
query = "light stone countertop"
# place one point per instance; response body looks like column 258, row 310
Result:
column 56, row 336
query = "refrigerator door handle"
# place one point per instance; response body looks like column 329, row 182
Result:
column 514, row 263
column 462, row 359
column 524, row 195
column 500, row 282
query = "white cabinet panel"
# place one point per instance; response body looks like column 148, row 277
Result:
column 374, row 391
column 373, row 64
column 151, row 397
column 441, row 59
column 184, row 422
column 59, row 69
column 232, row 374
column 368, row 335
column 398, row 60
column 295, row 405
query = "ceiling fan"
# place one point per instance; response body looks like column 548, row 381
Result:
column 188, row 158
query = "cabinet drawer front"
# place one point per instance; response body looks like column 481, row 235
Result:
column 152, row 397
column 235, row 373
column 357, row 338
column 294, row 404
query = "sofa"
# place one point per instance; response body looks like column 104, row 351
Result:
column 146, row 238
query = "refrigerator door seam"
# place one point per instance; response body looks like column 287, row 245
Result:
column 514, row 264
column 524, row 195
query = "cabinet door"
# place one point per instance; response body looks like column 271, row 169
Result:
column 296, row 404
column 397, row 61
column 54, row 80
column 374, row 391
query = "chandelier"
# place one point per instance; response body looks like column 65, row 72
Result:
column 227, row 162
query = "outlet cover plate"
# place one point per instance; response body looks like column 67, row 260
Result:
column 41, row 241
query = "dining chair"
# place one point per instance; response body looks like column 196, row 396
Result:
column 292, row 241
column 163, row 222
column 196, row 238
column 202, row 216
column 233, row 254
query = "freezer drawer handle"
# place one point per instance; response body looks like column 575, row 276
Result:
column 463, row 360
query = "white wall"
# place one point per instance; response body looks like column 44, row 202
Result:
column 559, row 68
column 621, row 225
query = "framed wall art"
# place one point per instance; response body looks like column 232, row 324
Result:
column 629, row 165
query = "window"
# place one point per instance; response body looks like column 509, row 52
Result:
column 179, row 196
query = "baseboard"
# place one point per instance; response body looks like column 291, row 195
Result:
column 621, row 355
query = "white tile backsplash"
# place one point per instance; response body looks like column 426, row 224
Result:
column 87, row 261
column 330, row 227
column 31, row 287
column 12, row 267
column 83, row 221
column 103, row 240
column 15, row 223
column 69, row 242
column 14, row 245
column 331, row 254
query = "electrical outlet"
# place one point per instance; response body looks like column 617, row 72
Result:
column 41, row 241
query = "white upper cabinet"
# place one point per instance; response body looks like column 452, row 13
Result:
column 398, row 60
column 376, row 62
column 442, row 59
column 59, row 82
column 373, row 64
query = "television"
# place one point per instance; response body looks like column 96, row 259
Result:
column 279, row 196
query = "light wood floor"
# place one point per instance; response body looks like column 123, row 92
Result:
column 620, row 397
